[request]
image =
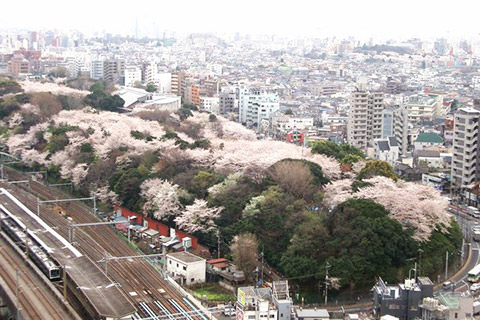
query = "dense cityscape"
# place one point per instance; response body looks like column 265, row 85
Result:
column 154, row 172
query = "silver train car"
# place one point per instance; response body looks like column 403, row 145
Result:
column 35, row 251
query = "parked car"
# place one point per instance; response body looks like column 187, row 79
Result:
column 447, row 285
column 475, row 287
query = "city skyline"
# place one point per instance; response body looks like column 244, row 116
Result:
column 373, row 18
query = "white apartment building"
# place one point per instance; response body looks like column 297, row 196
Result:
column 285, row 123
column 364, row 116
column 465, row 162
column 425, row 107
column 210, row 104
column 186, row 268
column 163, row 82
column 256, row 105
column 133, row 74
column 96, row 69
column 149, row 72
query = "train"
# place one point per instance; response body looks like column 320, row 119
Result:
column 37, row 250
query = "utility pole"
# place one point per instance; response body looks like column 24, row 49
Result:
column 65, row 283
column 446, row 265
column 327, row 266
column 261, row 254
column 420, row 264
column 16, row 294
column 94, row 205
column 164, row 267
column 218, row 243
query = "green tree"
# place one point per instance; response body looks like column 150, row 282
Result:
column 151, row 87
column 377, row 168
column 344, row 153
column 276, row 216
column 202, row 181
column 358, row 238
column 9, row 86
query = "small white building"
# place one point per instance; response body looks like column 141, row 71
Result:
column 386, row 150
column 133, row 74
column 186, row 268
column 210, row 104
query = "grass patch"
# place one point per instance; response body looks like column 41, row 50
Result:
column 213, row 292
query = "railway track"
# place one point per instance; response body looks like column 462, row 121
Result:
column 144, row 286
column 33, row 298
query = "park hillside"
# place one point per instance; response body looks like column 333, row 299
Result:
column 211, row 177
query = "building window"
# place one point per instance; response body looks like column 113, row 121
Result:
column 192, row 279
column 456, row 315
column 177, row 265
column 184, row 267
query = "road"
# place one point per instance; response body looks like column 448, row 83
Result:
column 466, row 223
column 144, row 285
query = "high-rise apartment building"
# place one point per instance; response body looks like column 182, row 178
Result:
column 256, row 104
column 425, row 107
column 365, row 116
column 465, row 163
column 228, row 102
column 114, row 70
column 176, row 83
column 401, row 129
column 133, row 74
column 18, row 65
column 96, row 69
column 149, row 72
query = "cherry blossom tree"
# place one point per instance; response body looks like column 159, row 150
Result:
column 162, row 198
column 55, row 88
column 198, row 217
column 222, row 187
column 416, row 206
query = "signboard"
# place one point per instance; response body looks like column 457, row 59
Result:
column 241, row 297
column 239, row 313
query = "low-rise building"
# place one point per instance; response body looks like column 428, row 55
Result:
column 448, row 306
column 386, row 150
column 403, row 300
column 255, row 303
column 186, row 268
column 312, row 314
column 427, row 139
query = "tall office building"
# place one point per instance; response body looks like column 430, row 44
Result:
column 365, row 116
column 465, row 161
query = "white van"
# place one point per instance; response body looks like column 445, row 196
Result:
column 474, row 212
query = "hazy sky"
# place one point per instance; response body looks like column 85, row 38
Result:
column 376, row 18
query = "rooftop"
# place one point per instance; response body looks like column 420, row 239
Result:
column 429, row 137
column 312, row 313
column 184, row 256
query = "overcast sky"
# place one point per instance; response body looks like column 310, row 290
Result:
column 367, row 18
